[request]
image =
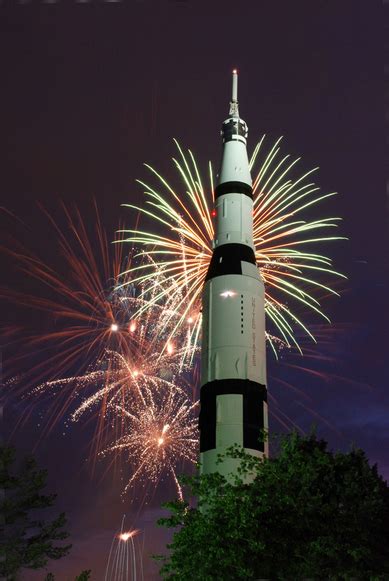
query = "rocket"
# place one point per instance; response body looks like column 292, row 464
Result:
column 233, row 394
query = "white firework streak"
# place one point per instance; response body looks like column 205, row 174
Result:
column 283, row 235
column 162, row 432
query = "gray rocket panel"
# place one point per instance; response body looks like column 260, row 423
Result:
column 234, row 328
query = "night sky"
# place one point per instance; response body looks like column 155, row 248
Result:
column 92, row 90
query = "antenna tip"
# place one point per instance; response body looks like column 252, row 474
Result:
column 234, row 96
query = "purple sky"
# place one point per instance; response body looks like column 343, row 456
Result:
column 92, row 90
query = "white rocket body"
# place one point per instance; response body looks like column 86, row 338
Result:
column 233, row 363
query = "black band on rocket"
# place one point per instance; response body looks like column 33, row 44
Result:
column 234, row 126
column 227, row 259
column 233, row 188
column 254, row 395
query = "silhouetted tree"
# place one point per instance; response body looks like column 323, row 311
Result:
column 84, row 576
column 27, row 540
column 307, row 513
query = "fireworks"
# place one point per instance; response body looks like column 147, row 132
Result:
column 82, row 315
column 283, row 236
column 161, row 434
column 143, row 412
column 124, row 365
column 90, row 318
column 124, row 330
column 123, row 560
column 110, row 379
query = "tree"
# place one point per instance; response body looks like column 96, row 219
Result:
column 27, row 541
column 83, row 576
column 306, row 513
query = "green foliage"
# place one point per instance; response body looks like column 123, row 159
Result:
column 27, row 542
column 83, row 576
column 307, row 513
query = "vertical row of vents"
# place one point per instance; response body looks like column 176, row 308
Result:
column 241, row 314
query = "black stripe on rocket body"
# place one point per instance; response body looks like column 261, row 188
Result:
column 254, row 396
column 232, row 127
column 227, row 259
column 233, row 188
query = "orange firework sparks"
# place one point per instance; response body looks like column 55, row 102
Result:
column 124, row 560
column 161, row 434
column 94, row 349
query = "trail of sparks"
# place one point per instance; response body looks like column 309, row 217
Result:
column 125, row 331
column 283, row 236
column 124, row 366
column 161, row 434
column 122, row 564
column 89, row 315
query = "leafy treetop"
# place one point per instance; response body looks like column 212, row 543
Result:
column 306, row 513
column 28, row 541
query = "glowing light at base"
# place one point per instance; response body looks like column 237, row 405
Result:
column 127, row 535
column 125, row 558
